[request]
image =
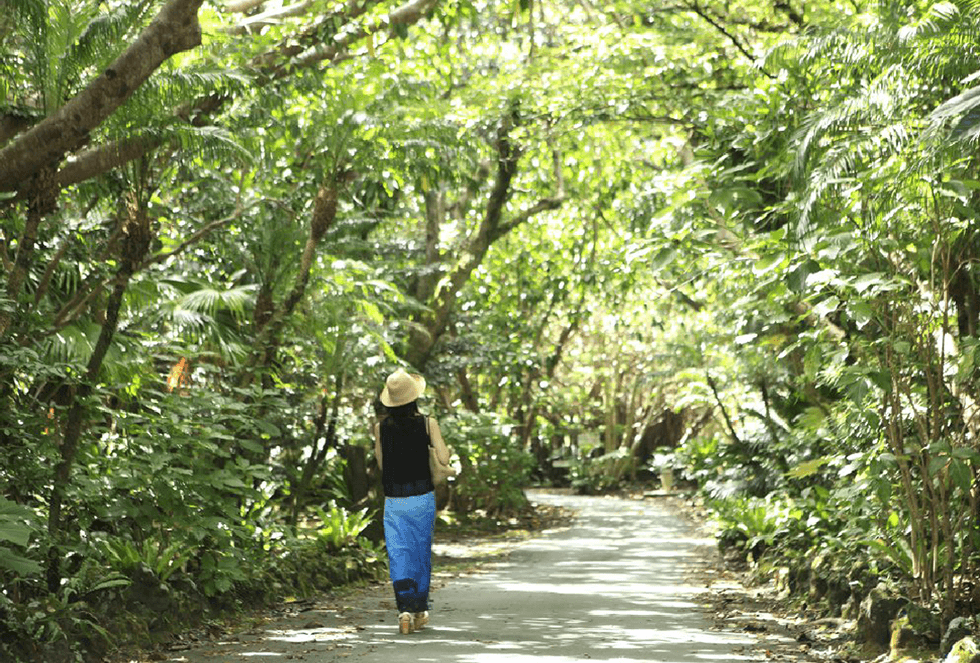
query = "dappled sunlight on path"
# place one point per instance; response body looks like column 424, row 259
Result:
column 618, row 586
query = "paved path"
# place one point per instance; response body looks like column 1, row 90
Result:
column 621, row 584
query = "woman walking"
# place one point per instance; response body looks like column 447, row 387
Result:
column 401, row 446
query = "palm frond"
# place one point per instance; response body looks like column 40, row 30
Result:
column 170, row 87
column 869, row 107
column 784, row 54
column 937, row 20
column 31, row 19
column 844, row 46
column 212, row 143
column 962, row 103
column 27, row 7
column 64, row 43
column 849, row 155
column 211, row 301
column 102, row 37
column 205, row 316
column 963, row 111
column 183, row 318
column 233, row 349
column 71, row 345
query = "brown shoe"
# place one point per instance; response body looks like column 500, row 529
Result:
column 420, row 620
column 405, row 623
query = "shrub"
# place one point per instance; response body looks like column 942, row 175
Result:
column 494, row 469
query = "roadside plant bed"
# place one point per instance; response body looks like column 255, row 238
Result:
column 311, row 573
column 138, row 598
column 850, row 603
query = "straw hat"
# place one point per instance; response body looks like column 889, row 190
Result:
column 402, row 388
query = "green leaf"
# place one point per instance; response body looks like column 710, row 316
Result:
column 966, row 106
column 826, row 306
column 961, row 475
column 768, row 263
column 232, row 481
column 16, row 533
column 17, row 563
column 663, row 258
column 251, row 445
column 898, row 552
column 866, row 281
column 268, row 428
column 109, row 583
column 807, row 468
column 966, row 453
column 861, row 312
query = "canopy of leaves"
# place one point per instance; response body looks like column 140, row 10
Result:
column 737, row 240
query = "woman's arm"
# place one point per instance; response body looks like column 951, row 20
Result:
column 377, row 445
column 442, row 451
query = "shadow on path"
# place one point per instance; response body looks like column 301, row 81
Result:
column 615, row 586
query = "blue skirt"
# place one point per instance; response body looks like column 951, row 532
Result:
column 409, row 522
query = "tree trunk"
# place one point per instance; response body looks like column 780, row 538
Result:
column 423, row 337
column 470, row 401
column 42, row 202
column 173, row 30
column 98, row 160
column 136, row 242
column 273, row 318
column 421, row 341
column 435, row 213
column 325, row 428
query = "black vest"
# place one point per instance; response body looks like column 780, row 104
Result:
column 405, row 457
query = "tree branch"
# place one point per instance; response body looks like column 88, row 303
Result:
column 724, row 410
column 45, row 282
column 793, row 15
column 269, row 18
column 435, row 214
column 543, row 205
column 697, row 9
column 324, row 215
column 138, row 234
column 242, row 6
column 270, row 62
column 102, row 159
column 460, row 206
column 409, row 13
column 5, row 255
column 11, row 125
column 97, row 160
column 70, row 311
column 422, row 338
column 174, row 29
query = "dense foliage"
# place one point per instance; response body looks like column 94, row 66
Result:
column 733, row 241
